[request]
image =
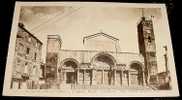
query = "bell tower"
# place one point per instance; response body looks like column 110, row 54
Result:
column 53, row 47
column 147, row 48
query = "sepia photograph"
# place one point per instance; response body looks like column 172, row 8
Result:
column 90, row 49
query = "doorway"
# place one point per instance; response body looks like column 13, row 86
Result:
column 70, row 77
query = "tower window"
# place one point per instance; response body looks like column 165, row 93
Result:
column 149, row 39
column 148, row 31
column 148, row 23
column 152, row 54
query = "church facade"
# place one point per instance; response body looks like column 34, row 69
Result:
column 102, row 63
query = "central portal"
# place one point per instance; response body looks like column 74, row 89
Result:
column 103, row 65
column 68, row 72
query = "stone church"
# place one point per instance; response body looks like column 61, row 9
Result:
column 102, row 63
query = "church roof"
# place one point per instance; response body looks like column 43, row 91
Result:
column 99, row 34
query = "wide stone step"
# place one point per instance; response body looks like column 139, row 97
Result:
column 106, row 87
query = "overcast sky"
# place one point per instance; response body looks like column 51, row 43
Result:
column 73, row 23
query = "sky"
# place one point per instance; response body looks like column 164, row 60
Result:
column 72, row 23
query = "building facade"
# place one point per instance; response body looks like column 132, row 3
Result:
column 27, row 58
column 96, row 67
column 102, row 63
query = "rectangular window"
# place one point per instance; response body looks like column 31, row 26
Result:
column 35, row 56
column 18, row 61
column 18, row 65
column 28, row 51
column 19, row 36
column 36, row 44
column 20, row 49
column 29, row 39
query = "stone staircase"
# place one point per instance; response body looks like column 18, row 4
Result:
column 105, row 87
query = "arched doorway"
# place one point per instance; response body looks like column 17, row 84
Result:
column 136, row 74
column 103, row 64
column 68, row 72
column 71, row 73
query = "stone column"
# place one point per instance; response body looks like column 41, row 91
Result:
column 60, row 76
column 93, row 77
column 102, row 76
column 128, row 77
column 63, row 79
column 64, row 75
column 157, row 79
column 143, row 77
column 122, row 77
column 114, row 83
column 77, row 73
column 83, row 76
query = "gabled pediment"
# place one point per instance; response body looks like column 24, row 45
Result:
column 101, row 34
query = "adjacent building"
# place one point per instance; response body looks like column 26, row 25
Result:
column 27, row 58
